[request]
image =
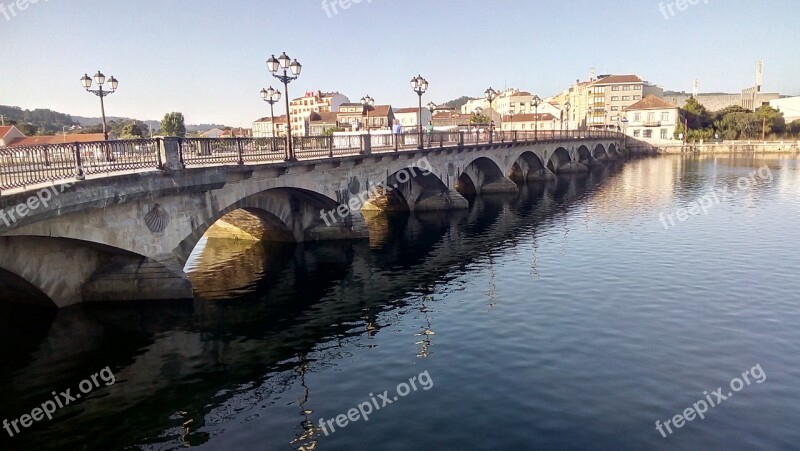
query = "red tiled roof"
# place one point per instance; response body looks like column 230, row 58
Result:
column 324, row 117
column 278, row 119
column 4, row 130
column 615, row 79
column 406, row 110
column 380, row 110
column 56, row 139
column 651, row 102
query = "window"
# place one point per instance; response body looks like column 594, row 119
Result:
column 651, row 117
column 663, row 133
column 637, row 117
column 626, row 98
column 665, row 116
column 636, row 133
column 647, row 133
column 615, row 88
column 614, row 108
column 637, row 97
column 614, row 98
column 626, row 88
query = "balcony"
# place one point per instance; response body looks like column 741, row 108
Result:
column 651, row 123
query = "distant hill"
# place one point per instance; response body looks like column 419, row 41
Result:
column 458, row 103
column 48, row 122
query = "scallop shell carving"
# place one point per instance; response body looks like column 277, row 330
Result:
column 157, row 219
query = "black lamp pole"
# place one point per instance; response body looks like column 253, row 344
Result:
column 283, row 62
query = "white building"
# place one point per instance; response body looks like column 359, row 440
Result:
column 262, row 128
column 408, row 117
column 789, row 106
column 652, row 120
column 9, row 133
column 531, row 122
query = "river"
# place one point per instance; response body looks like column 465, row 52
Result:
column 573, row 315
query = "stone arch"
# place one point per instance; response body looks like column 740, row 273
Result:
column 599, row 152
column 483, row 175
column 413, row 189
column 583, row 155
column 529, row 167
column 558, row 160
column 69, row 271
column 284, row 214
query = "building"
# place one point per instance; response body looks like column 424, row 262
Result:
column 57, row 139
column 355, row 116
column 599, row 102
column 262, row 128
column 789, row 106
column 719, row 101
column 313, row 102
column 237, row 133
column 531, row 122
column 652, row 119
column 510, row 101
column 213, row 133
column 9, row 133
column 407, row 117
column 451, row 119
column 322, row 122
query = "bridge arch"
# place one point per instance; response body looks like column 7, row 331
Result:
column 599, row 152
column 584, row 155
column 529, row 166
column 68, row 271
column 558, row 160
column 483, row 175
column 283, row 214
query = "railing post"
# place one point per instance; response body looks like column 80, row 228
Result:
column 366, row 144
column 239, row 149
column 460, row 139
column 173, row 153
column 330, row 146
column 158, row 154
column 79, row 175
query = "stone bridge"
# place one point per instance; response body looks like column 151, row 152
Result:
column 128, row 237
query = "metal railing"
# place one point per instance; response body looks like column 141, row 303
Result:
column 30, row 165
column 22, row 166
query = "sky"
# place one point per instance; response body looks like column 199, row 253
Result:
column 207, row 59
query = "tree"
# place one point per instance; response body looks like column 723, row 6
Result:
column 28, row 129
column 794, row 128
column 479, row 119
column 173, row 125
column 458, row 103
column 771, row 119
column 131, row 131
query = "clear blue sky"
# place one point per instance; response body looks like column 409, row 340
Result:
column 206, row 59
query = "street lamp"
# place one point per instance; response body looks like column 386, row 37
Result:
column 511, row 113
column 625, row 132
column 100, row 79
column 283, row 63
column 567, row 106
column 367, row 102
column 419, row 85
column 272, row 97
column 536, row 102
column 491, row 95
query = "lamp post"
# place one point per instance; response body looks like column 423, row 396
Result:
column 283, row 62
column 536, row 102
column 272, row 97
column 567, row 107
column 624, row 132
column 511, row 121
column 419, row 85
column 367, row 102
column 100, row 79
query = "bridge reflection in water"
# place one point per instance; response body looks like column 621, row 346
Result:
column 265, row 315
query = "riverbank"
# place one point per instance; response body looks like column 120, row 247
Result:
column 725, row 147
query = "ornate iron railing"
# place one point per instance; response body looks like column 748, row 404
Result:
column 21, row 167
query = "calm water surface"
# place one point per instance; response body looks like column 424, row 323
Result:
column 564, row 317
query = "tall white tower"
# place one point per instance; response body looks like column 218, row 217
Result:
column 759, row 74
